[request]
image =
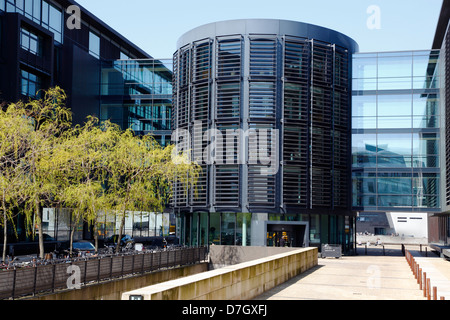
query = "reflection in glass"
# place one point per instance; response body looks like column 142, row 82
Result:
column 399, row 143
column 394, row 122
column 394, row 66
column 228, row 228
column 364, row 106
column 394, row 105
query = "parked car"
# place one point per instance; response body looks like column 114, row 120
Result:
column 112, row 241
column 83, row 247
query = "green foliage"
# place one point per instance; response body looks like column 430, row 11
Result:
column 94, row 168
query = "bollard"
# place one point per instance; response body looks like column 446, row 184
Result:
column 424, row 284
column 428, row 289
column 434, row 293
column 420, row 279
column 442, row 298
column 418, row 273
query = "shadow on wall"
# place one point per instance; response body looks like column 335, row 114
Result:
column 223, row 256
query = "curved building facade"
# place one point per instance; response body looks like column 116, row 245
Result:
column 264, row 106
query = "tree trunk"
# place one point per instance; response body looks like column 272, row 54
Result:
column 122, row 224
column 41, row 232
column 95, row 230
column 72, row 232
column 71, row 241
column 5, row 227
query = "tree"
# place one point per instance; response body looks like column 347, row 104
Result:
column 14, row 131
column 50, row 118
column 141, row 175
column 84, row 164
column 93, row 168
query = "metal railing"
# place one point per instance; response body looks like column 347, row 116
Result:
column 29, row 281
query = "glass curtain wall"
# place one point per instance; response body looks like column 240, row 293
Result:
column 47, row 14
column 396, row 131
column 137, row 94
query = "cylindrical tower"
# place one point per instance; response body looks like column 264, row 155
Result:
column 264, row 106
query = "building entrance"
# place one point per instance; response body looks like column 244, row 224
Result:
column 284, row 235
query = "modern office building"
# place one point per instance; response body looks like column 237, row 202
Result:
column 43, row 45
column 401, row 139
column 264, row 106
column 137, row 94
column 396, row 138
column 439, row 224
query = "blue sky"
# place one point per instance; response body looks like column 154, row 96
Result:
column 156, row 25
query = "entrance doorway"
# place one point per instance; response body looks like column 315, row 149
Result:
column 286, row 235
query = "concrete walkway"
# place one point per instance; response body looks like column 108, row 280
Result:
column 362, row 277
column 437, row 270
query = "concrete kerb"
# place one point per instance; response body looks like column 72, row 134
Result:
column 242, row 281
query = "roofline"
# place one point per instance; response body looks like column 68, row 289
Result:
column 87, row 16
column 443, row 25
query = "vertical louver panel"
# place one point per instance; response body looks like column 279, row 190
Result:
column 229, row 58
column 296, row 93
column 262, row 100
column 263, row 58
column 184, row 100
column 261, row 187
column 262, row 158
column 446, row 59
column 341, row 129
column 228, row 143
column 200, row 102
column 184, row 74
column 227, row 186
column 202, row 62
column 297, row 60
column 321, row 125
column 228, row 100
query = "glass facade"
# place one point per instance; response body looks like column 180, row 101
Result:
column 42, row 12
column 94, row 45
column 396, row 133
column 137, row 94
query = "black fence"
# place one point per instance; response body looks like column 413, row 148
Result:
column 29, row 281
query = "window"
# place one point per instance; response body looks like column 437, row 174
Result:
column 94, row 45
column 124, row 56
column 31, row 84
column 52, row 20
column 33, row 9
column 31, row 42
column 2, row 5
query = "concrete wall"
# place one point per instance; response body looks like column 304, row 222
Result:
column 243, row 281
column 409, row 224
column 113, row 290
column 224, row 256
